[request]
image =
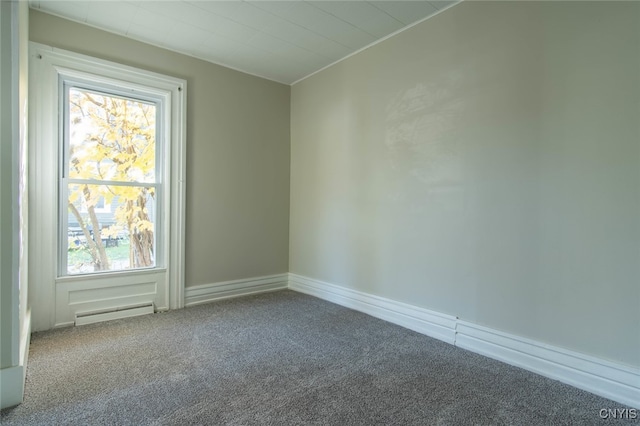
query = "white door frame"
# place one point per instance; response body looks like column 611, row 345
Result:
column 52, row 297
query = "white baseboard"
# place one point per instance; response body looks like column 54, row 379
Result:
column 617, row 382
column 601, row 377
column 430, row 323
column 12, row 379
column 11, row 386
column 227, row 289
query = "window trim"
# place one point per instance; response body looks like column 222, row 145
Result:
column 47, row 64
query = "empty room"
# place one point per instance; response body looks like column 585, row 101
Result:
column 319, row 212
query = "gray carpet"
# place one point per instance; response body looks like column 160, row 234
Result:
column 279, row 358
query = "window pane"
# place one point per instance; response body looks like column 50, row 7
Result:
column 111, row 138
column 110, row 228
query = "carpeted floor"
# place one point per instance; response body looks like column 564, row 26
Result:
column 280, row 358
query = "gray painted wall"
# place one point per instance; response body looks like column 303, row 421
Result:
column 238, row 139
column 484, row 164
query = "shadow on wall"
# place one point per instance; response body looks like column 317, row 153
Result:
column 421, row 135
column 424, row 226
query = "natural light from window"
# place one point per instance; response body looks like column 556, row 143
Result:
column 110, row 181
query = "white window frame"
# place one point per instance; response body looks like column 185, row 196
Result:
column 121, row 89
column 48, row 66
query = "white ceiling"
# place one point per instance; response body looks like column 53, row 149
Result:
column 283, row 41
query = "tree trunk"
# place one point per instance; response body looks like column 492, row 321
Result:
column 141, row 241
column 87, row 235
column 102, row 263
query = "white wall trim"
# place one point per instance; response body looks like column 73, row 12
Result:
column 430, row 323
column 601, row 377
column 227, row 289
column 12, row 379
column 617, row 382
column 11, row 386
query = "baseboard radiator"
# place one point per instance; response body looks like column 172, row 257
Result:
column 83, row 318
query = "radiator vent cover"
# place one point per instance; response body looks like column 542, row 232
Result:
column 83, row 318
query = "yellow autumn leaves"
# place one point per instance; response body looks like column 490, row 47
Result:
column 112, row 139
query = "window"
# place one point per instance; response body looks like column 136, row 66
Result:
column 107, row 147
column 108, row 179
